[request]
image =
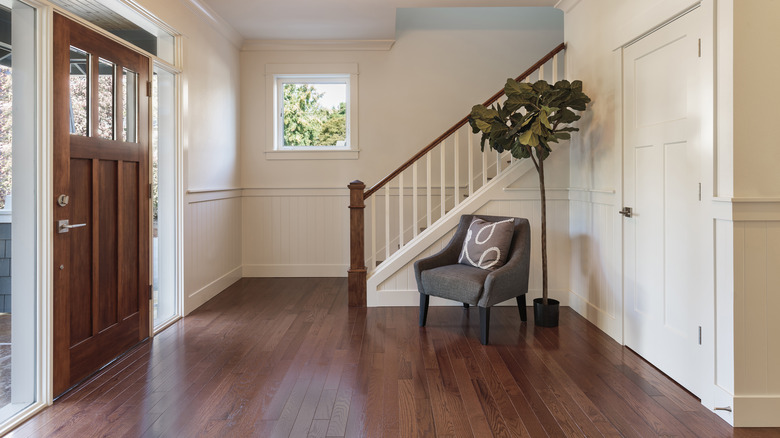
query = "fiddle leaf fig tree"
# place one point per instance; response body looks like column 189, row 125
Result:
column 532, row 117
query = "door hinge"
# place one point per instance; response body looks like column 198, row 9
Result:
column 699, row 335
column 699, row 47
column 699, row 191
column 150, row 190
column 148, row 88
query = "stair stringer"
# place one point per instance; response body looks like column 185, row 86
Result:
column 412, row 250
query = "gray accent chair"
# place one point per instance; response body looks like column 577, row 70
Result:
column 441, row 275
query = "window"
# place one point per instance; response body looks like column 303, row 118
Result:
column 313, row 111
column 165, row 279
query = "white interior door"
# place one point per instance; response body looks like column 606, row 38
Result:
column 662, row 175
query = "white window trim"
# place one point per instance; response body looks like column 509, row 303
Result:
column 276, row 71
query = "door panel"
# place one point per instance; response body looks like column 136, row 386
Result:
column 101, row 285
column 662, row 172
column 81, row 250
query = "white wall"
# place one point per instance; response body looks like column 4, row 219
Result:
column 443, row 62
column 756, row 154
column 595, row 174
column 210, row 105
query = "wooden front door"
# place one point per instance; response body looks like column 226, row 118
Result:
column 101, row 201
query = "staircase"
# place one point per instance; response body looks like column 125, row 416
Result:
column 421, row 202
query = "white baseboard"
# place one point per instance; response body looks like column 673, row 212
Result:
column 609, row 324
column 295, row 270
column 757, row 411
column 411, row 298
column 200, row 296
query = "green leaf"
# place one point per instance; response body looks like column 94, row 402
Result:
column 525, row 137
column 541, row 86
column 514, row 88
column 480, row 112
column 483, row 125
column 543, row 119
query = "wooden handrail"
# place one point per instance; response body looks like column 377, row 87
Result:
column 459, row 125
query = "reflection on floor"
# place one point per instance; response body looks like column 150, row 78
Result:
column 5, row 359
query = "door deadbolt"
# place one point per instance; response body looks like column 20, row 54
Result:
column 63, row 200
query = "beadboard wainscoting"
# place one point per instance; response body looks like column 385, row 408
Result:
column 400, row 289
column 295, row 232
column 212, row 244
column 595, row 276
column 754, row 347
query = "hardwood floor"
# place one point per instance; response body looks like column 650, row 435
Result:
column 286, row 357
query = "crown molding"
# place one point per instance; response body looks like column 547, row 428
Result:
column 315, row 45
column 566, row 5
column 214, row 20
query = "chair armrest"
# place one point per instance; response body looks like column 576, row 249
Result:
column 510, row 280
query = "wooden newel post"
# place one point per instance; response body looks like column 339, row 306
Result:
column 357, row 260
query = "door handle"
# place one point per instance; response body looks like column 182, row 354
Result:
column 64, row 226
column 626, row 211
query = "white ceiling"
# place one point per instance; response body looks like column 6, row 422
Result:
column 332, row 19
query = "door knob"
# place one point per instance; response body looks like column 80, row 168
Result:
column 626, row 211
column 64, row 226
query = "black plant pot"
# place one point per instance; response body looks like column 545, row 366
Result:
column 546, row 316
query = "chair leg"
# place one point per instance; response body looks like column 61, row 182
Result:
column 484, row 324
column 423, row 309
column 522, row 308
column 465, row 305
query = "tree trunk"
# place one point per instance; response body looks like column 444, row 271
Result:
column 544, row 230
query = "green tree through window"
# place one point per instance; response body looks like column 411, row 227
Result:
column 306, row 122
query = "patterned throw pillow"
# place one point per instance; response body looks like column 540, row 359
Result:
column 487, row 243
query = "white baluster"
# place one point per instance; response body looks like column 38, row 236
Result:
column 541, row 72
column 428, row 191
column 442, row 189
column 456, row 184
column 387, row 221
column 484, row 167
column 414, row 200
column 555, row 68
column 401, row 210
column 373, row 232
column 498, row 163
column 471, row 162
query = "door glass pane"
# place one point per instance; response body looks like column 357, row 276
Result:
column 18, row 291
column 164, row 289
column 106, row 99
column 79, row 91
column 129, row 105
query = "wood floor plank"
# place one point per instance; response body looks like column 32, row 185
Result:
column 286, row 357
